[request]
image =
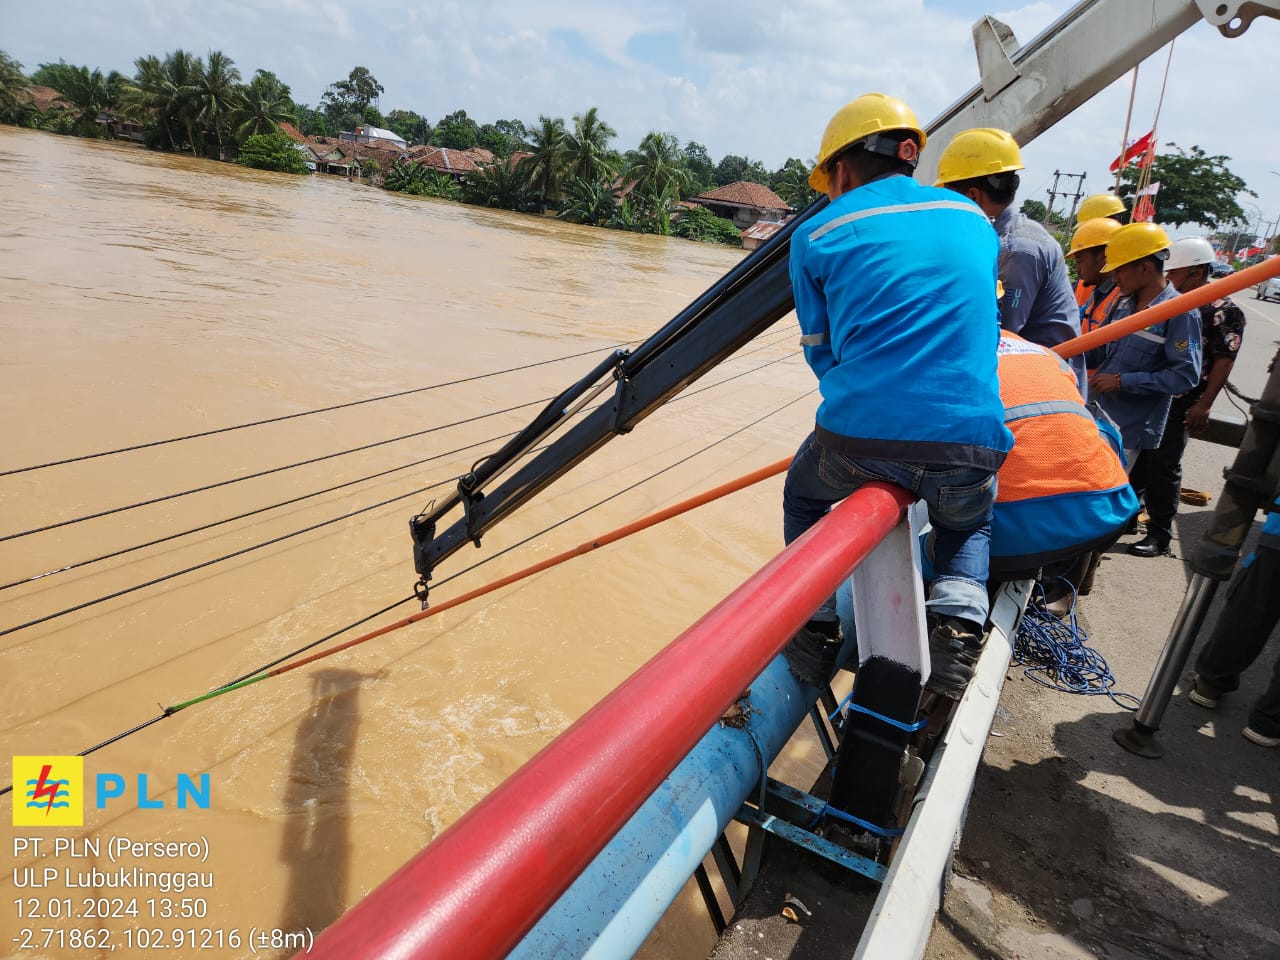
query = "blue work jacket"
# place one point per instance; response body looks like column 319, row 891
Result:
column 1039, row 303
column 894, row 287
column 1154, row 364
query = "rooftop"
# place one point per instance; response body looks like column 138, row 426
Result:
column 745, row 194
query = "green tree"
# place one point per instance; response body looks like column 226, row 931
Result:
column 344, row 101
column 702, row 172
column 544, row 169
column 516, row 131
column 272, row 151
column 1194, row 188
column 264, row 104
column 215, row 96
column 14, row 99
column 587, row 153
column 701, row 224
column 413, row 127
column 659, row 174
column 499, row 185
column 404, row 175
column 87, row 93
column 791, row 183
column 494, row 140
column 589, row 201
column 160, row 98
column 312, row 122
column 456, row 131
column 1033, row 210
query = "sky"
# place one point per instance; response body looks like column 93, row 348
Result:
column 757, row 78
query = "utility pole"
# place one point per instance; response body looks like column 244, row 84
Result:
column 1075, row 195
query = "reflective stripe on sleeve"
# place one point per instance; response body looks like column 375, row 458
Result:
column 964, row 206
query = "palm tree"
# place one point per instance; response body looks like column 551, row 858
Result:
column 13, row 87
column 87, row 92
column 793, row 184
column 214, row 96
column 589, row 201
column 500, row 185
column 161, row 94
column 543, row 170
column 264, row 104
column 587, row 152
column 656, row 168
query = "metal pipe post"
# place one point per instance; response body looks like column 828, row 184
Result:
column 1139, row 738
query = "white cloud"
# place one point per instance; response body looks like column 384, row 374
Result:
column 757, row 78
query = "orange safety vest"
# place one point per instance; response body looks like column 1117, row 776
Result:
column 1062, row 487
column 1082, row 293
column 1094, row 314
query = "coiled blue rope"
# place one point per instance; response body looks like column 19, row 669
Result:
column 1056, row 654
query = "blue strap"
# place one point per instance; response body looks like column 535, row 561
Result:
column 858, row 822
column 859, row 708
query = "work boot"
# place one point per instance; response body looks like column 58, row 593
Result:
column 1152, row 545
column 954, row 648
column 1204, row 694
column 812, row 652
column 1131, row 527
column 1260, row 738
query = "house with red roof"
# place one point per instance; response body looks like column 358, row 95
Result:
column 744, row 203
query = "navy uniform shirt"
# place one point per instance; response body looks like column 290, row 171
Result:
column 1154, row 364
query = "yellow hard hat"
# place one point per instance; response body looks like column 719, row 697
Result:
column 979, row 152
column 1092, row 233
column 1134, row 241
column 1099, row 205
column 870, row 113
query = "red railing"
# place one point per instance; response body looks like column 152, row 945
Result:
column 479, row 887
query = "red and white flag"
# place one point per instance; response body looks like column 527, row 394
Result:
column 1150, row 190
column 1135, row 149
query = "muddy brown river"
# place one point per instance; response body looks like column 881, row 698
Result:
column 146, row 296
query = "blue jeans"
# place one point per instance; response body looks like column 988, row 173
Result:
column 960, row 501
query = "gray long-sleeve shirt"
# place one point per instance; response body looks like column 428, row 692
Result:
column 1038, row 303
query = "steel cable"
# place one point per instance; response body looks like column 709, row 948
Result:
column 300, row 463
column 250, row 549
column 305, row 413
column 264, row 473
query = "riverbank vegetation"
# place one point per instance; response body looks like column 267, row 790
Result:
column 185, row 103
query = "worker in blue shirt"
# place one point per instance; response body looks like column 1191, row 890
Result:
column 1136, row 377
column 1038, row 302
column 894, row 286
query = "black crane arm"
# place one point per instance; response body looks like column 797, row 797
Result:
column 745, row 301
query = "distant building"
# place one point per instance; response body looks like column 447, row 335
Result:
column 756, row 234
column 455, row 163
column 744, row 203
column 364, row 133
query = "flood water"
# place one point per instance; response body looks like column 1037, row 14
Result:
column 147, row 296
